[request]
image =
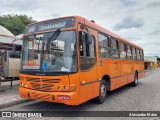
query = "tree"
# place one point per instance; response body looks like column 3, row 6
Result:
column 15, row 23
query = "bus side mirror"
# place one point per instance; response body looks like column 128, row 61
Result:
column 81, row 36
column 89, row 39
column 85, row 37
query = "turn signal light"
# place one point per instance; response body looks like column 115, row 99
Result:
column 73, row 88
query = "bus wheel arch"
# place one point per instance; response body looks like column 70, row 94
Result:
column 104, row 84
column 102, row 92
column 135, row 82
column 106, row 78
column 136, row 73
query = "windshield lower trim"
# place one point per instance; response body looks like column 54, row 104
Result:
column 40, row 73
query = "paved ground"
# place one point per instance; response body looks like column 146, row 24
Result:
column 144, row 97
column 11, row 95
column 10, row 92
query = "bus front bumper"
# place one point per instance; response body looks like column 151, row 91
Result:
column 69, row 98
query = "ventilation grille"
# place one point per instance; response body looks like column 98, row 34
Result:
column 41, row 87
column 41, row 84
column 41, row 96
column 43, row 80
column 33, row 79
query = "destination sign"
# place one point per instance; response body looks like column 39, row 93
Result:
column 50, row 25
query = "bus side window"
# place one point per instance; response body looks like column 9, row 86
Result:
column 122, row 51
column 138, row 55
column 87, row 51
column 129, row 52
column 142, row 57
column 134, row 53
column 81, row 43
column 104, row 47
column 114, row 48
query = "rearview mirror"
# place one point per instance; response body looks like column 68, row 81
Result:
column 85, row 37
column 89, row 39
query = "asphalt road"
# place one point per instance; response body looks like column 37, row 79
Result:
column 144, row 97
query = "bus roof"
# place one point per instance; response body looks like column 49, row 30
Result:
column 107, row 32
column 96, row 27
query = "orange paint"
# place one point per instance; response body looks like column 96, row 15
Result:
column 82, row 85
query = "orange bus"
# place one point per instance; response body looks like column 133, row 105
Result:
column 72, row 60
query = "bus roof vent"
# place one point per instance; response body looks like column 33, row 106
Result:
column 92, row 21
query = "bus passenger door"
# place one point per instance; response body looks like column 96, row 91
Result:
column 88, row 75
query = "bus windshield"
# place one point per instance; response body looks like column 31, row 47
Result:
column 50, row 55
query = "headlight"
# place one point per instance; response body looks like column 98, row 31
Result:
column 65, row 87
column 59, row 88
column 25, row 85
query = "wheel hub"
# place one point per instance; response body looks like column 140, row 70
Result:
column 103, row 91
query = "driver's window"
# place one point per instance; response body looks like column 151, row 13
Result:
column 87, row 52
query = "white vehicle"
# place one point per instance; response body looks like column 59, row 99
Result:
column 10, row 63
column 10, row 50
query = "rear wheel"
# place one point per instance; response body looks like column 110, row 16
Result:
column 135, row 83
column 102, row 92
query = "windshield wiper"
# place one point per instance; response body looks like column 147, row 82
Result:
column 52, row 38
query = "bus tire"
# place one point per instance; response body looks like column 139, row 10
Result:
column 102, row 93
column 135, row 83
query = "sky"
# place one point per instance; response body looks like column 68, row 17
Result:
column 136, row 20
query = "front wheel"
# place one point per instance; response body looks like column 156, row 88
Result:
column 102, row 92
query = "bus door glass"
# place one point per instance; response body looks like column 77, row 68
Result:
column 88, row 69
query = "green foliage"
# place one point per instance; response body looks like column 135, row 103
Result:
column 15, row 23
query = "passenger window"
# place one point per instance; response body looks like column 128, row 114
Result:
column 134, row 53
column 142, row 57
column 138, row 55
column 122, row 51
column 114, row 48
column 129, row 52
column 104, row 49
column 87, row 51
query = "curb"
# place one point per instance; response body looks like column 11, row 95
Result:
column 8, row 104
